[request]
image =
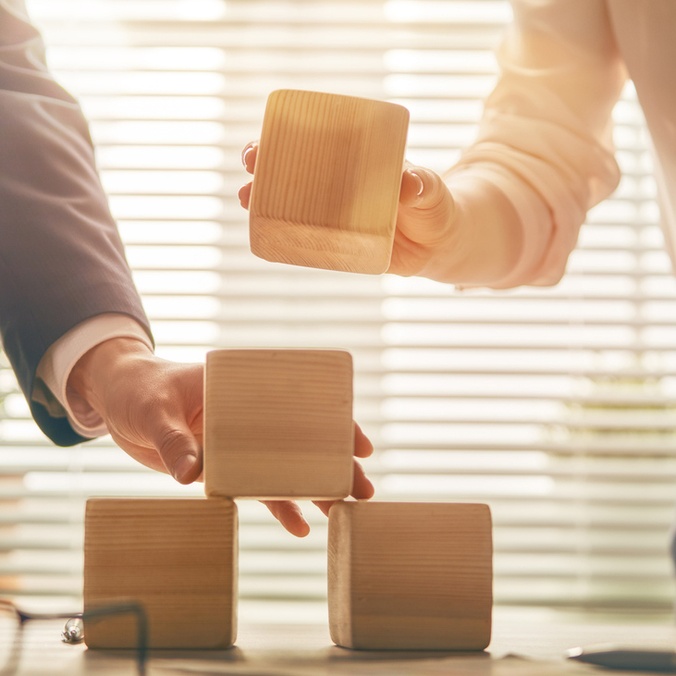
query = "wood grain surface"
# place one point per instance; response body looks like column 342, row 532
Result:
column 278, row 424
column 178, row 557
column 327, row 180
column 410, row 576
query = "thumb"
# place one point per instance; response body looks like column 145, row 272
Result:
column 422, row 188
column 180, row 452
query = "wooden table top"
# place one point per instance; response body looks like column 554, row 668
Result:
column 527, row 642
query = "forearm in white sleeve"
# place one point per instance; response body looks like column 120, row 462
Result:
column 544, row 141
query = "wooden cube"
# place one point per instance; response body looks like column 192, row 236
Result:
column 278, row 424
column 327, row 180
column 410, row 576
column 177, row 557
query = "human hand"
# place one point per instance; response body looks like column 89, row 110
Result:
column 424, row 219
column 153, row 409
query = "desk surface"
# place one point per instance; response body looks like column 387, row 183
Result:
column 525, row 643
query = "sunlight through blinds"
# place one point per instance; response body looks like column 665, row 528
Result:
column 555, row 406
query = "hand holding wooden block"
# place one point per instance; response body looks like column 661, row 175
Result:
column 178, row 558
column 278, row 424
column 326, row 187
column 410, row 576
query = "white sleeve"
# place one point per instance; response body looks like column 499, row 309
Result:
column 57, row 363
column 545, row 137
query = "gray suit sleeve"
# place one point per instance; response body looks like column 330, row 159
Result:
column 61, row 257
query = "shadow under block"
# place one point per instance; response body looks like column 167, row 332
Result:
column 278, row 424
column 177, row 557
column 410, row 576
column 327, row 180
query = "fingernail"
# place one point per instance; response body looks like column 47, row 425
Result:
column 184, row 468
column 418, row 182
column 305, row 529
column 247, row 149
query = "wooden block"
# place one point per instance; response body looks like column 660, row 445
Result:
column 178, row 557
column 410, row 576
column 278, row 424
column 327, row 180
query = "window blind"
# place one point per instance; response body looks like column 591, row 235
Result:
column 554, row 406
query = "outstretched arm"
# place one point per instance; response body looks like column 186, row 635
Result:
column 61, row 259
column 509, row 212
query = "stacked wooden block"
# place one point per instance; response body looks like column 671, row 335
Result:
column 278, row 425
column 178, row 558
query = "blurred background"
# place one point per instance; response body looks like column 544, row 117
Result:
column 554, row 406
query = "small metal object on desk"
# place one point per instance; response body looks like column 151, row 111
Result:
column 73, row 631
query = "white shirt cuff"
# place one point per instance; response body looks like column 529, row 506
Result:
column 54, row 369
